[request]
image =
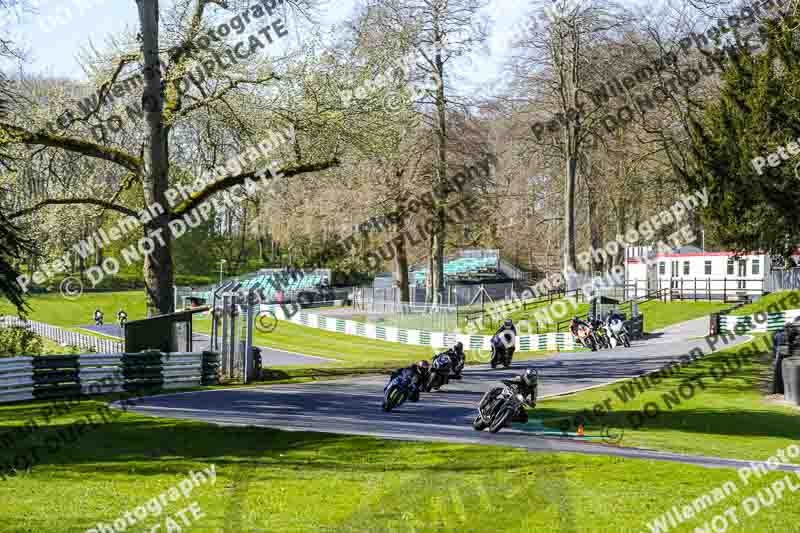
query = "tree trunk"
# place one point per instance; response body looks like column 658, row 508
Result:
column 569, row 221
column 158, row 268
column 596, row 231
column 401, row 264
column 440, row 229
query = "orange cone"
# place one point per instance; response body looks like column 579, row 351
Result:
column 580, row 430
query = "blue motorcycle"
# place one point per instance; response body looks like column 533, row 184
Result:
column 397, row 391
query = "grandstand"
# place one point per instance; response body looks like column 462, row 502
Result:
column 465, row 270
column 273, row 285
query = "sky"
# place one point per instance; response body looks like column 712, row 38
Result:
column 61, row 28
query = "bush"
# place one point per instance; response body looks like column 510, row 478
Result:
column 16, row 341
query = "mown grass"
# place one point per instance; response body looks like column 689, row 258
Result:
column 274, row 481
column 781, row 300
column 658, row 315
column 729, row 417
column 354, row 355
column 56, row 310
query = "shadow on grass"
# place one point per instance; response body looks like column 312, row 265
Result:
column 149, row 446
column 730, row 422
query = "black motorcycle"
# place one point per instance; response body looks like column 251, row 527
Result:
column 441, row 367
column 501, row 354
column 458, row 367
column 396, row 392
column 497, row 407
column 601, row 336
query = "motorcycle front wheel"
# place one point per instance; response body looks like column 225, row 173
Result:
column 499, row 421
column 626, row 341
column 478, row 424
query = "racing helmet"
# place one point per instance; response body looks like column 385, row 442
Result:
column 508, row 323
column 531, row 377
column 423, row 366
column 458, row 348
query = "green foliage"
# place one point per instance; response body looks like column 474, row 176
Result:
column 16, row 341
column 757, row 112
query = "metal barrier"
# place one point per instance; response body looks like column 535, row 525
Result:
column 66, row 376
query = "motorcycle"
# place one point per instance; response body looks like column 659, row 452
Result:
column 441, row 367
column 586, row 338
column 496, row 413
column 397, row 392
column 122, row 322
column 98, row 321
column 458, row 366
column 601, row 336
column 618, row 333
column 501, row 353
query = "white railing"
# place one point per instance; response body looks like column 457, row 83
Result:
column 64, row 336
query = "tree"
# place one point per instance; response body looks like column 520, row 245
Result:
column 739, row 147
column 556, row 69
column 438, row 31
column 146, row 161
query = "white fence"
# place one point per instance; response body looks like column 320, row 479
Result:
column 64, row 336
column 421, row 337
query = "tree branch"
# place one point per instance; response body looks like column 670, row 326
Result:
column 231, row 181
column 68, row 201
column 10, row 134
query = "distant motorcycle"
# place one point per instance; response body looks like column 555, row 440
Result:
column 586, row 337
column 441, row 367
column 501, row 354
column 618, row 333
column 396, row 392
column 496, row 413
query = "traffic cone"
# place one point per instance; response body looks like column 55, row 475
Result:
column 580, row 430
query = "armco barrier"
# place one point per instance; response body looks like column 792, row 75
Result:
column 16, row 379
column 67, row 376
column 437, row 339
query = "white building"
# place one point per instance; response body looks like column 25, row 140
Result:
column 691, row 273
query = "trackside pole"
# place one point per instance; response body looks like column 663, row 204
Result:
column 247, row 370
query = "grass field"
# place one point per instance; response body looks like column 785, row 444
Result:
column 356, row 354
column 58, row 311
column 729, row 418
column 790, row 299
column 273, row 481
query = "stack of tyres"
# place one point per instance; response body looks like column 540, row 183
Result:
column 143, row 372
column 787, row 361
column 211, row 368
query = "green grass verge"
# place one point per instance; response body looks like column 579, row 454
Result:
column 58, row 311
column 779, row 300
column 356, row 355
column 658, row 315
column 273, row 481
column 730, row 418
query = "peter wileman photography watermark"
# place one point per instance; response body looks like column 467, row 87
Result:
column 644, row 232
column 72, row 287
column 748, row 506
column 151, row 511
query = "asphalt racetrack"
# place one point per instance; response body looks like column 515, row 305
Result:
column 353, row 406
